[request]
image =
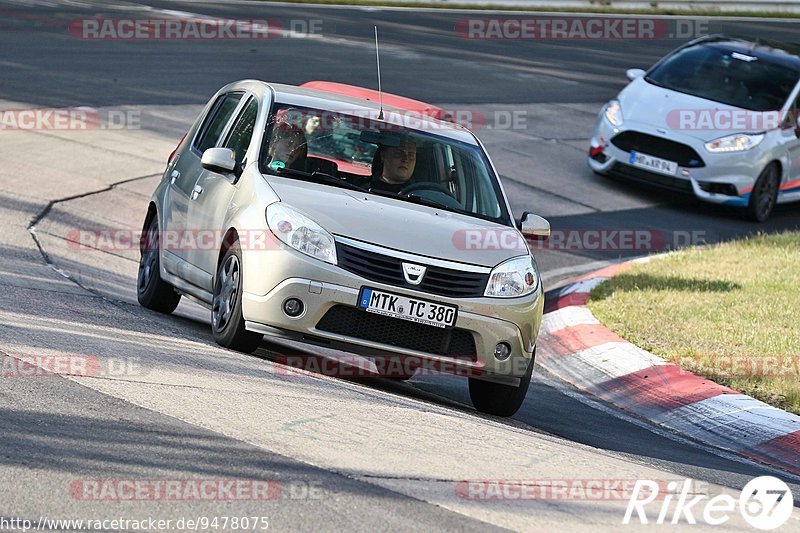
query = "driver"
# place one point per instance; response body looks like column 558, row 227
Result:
column 394, row 166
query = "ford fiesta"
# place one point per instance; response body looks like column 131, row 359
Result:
column 325, row 219
column 716, row 118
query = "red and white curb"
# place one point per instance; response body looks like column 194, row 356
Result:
column 574, row 346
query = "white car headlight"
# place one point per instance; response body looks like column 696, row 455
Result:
column 613, row 113
column 735, row 143
column 515, row 277
column 300, row 232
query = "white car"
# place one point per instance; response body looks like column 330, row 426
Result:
column 716, row 118
column 329, row 220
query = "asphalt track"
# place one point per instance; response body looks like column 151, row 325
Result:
column 386, row 455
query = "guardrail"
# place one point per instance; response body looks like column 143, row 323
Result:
column 722, row 6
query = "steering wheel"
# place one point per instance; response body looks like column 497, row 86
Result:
column 437, row 193
column 425, row 186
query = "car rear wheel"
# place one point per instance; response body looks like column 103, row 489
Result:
column 227, row 322
column 764, row 195
column 151, row 291
column 497, row 399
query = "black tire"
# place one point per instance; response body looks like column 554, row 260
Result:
column 227, row 322
column 764, row 195
column 500, row 400
column 152, row 291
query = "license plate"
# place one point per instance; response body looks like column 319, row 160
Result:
column 657, row 164
column 405, row 308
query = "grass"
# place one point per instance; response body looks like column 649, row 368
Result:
column 446, row 4
column 729, row 312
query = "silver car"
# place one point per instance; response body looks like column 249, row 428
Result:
column 326, row 219
column 716, row 118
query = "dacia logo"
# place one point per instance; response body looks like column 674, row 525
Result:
column 414, row 273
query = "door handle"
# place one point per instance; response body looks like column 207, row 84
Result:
column 175, row 175
column 197, row 191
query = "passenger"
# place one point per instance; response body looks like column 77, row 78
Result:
column 393, row 166
column 287, row 147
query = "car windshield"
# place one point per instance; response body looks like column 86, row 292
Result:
column 382, row 158
column 715, row 73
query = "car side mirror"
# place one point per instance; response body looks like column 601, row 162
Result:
column 633, row 73
column 534, row 226
column 219, row 160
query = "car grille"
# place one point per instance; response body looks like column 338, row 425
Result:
column 684, row 155
column 651, row 178
column 352, row 322
column 389, row 270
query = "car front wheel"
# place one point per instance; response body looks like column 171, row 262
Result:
column 227, row 322
column 497, row 399
column 764, row 195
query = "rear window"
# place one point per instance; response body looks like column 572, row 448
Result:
column 726, row 76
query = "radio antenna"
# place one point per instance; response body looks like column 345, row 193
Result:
column 378, row 60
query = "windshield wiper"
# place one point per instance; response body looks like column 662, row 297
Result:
column 320, row 177
column 413, row 198
column 650, row 80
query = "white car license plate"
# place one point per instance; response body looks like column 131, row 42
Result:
column 649, row 162
column 396, row 306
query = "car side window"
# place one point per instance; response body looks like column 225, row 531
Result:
column 791, row 118
column 216, row 121
column 242, row 132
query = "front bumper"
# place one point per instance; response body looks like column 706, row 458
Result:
column 272, row 277
column 734, row 173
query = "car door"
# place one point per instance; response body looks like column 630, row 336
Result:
column 211, row 198
column 790, row 188
column 177, row 240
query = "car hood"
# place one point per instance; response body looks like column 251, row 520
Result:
column 672, row 111
column 401, row 225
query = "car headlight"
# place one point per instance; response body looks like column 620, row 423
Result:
column 735, row 143
column 300, row 232
column 515, row 277
column 613, row 113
